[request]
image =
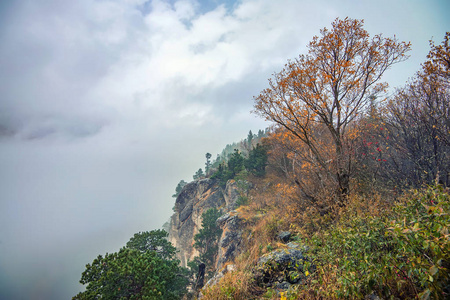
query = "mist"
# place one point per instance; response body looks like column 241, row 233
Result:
column 106, row 105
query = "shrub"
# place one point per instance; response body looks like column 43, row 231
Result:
column 403, row 253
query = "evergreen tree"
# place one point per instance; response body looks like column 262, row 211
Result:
column 179, row 188
column 208, row 163
column 155, row 240
column 235, row 163
column 233, row 167
column 207, row 239
column 249, row 139
column 199, row 174
column 260, row 134
column 257, row 161
column 145, row 269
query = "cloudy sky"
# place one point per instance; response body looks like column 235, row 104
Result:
column 106, row 104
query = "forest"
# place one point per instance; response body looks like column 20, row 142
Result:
column 359, row 176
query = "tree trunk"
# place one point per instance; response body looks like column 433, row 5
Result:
column 343, row 187
column 200, row 277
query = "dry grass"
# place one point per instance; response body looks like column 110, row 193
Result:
column 272, row 208
column 234, row 285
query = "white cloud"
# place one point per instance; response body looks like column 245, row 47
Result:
column 119, row 60
column 180, row 57
column 186, row 9
column 156, row 61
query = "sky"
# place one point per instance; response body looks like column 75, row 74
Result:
column 106, row 105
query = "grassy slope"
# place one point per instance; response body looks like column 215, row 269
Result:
column 393, row 247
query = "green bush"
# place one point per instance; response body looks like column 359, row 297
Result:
column 421, row 233
column 145, row 269
column 404, row 253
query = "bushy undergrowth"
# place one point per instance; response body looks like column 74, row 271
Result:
column 401, row 253
column 393, row 249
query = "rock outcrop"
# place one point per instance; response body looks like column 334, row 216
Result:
column 231, row 195
column 281, row 268
column 195, row 198
column 231, row 238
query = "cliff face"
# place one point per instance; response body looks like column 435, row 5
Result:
column 196, row 198
column 230, row 241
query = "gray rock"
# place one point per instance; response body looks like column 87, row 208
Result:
column 281, row 265
column 293, row 245
column 231, row 194
column 223, row 219
column 283, row 285
column 231, row 238
column 282, row 256
column 186, row 212
column 284, row 236
column 228, row 238
column 372, row 296
column 195, row 198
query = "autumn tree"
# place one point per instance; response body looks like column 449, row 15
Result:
column 419, row 118
column 438, row 59
column 406, row 143
column 291, row 160
column 326, row 90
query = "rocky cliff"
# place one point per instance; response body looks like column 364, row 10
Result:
column 278, row 269
column 196, row 198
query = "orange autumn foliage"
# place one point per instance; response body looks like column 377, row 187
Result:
column 438, row 62
column 317, row 96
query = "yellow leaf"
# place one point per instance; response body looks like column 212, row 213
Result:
column 433, row 270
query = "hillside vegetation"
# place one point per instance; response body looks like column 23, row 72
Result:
column 352, row 182
column 357, row 179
